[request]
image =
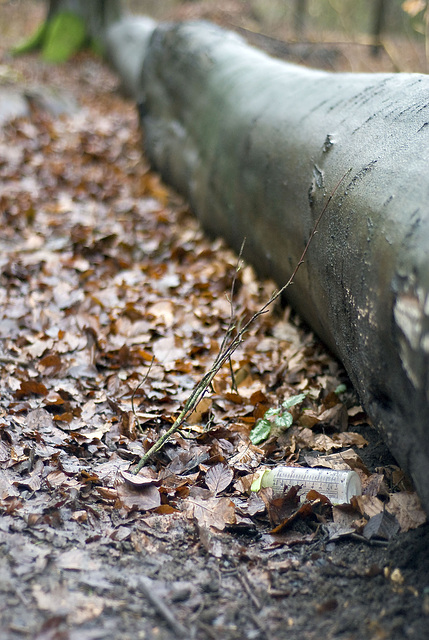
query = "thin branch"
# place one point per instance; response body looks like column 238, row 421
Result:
column 227, row 349
column 137, row 388
column 147, row 587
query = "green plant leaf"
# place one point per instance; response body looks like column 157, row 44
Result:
column 284, row 421
column 261, row 431
column 293, row 400
column 271, row 412
column 340, row 389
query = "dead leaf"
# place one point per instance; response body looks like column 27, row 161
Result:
column 382, row 526
column 77, row 560
column 368, row 506
column 347, row 439
column 375, row 485
column 213, row 512
column 348, row 459
column 202, row 409
column 335, row 417
column 168, row 350
column 143, row 499
column 29, row 388
column 407, row 509
column 218, row 478
column 79, row 607
column 281, row 509
column 143, row 478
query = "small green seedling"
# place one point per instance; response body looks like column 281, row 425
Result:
column 280, row 419
column 340, row 389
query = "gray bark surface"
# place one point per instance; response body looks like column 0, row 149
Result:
column 97, row 14
column 126, row 43
column 257, row 145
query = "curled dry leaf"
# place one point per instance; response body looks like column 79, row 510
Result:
column 144, row 478
column 143, row 498
column 347, row 459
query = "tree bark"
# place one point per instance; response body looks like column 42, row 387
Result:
column 257, row 145
column 98, row 15
column 71, row 25
column 126, row 44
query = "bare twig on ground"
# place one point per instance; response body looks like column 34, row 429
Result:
column 229, row 345
column 137, row 388
column 146, row 586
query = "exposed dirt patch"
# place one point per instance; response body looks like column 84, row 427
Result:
column 102, row 269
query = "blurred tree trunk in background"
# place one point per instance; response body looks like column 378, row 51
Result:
column 378, row 24
column 71, row 25
column 299, row 17
column 97, row 14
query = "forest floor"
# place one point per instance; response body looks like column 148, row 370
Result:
column 113, row 304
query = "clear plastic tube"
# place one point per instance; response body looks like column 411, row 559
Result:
column 337, row 485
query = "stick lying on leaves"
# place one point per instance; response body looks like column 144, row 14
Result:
column 229, row 345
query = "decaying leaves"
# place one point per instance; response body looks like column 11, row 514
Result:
column 103, row 271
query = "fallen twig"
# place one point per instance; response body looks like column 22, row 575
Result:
column 146, row 586
column 227, row 348
column 136, row 389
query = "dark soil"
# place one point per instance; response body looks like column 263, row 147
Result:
column 76, row 566
column 57, row 584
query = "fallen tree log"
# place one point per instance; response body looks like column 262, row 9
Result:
column 257, row 145
column 126, row 42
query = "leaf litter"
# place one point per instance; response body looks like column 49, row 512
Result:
column 113, row 305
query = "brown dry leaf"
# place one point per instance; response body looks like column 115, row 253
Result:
column 167, row 350
column 213, row 512
column 336, row 417
column 202, row 408
column 143, row 478
column 107, row 493
column 79, row 607
column 348, row 439
column 143, row 499
column 375, row 485
column 50, row 364
column 304, row 511
column 218, row 478
column 322, row 442
column 345, row 515
column 348, row 459
column 368, row 506
column 407, row 509
column 247, row 457
column 7, row 488
column 308, row 419
column 280, row 509
column 29, row 388
column 57, row 479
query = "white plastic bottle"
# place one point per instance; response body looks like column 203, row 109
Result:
column 338, row 486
